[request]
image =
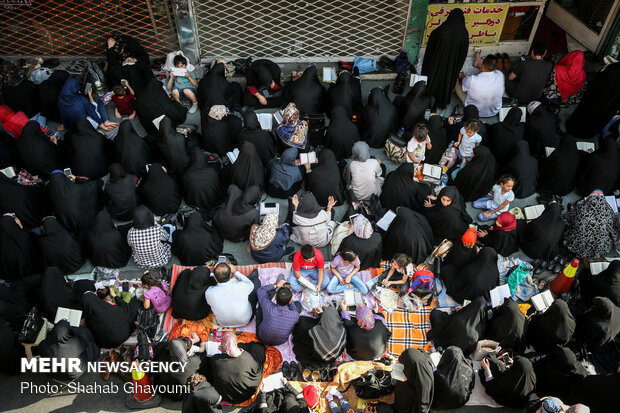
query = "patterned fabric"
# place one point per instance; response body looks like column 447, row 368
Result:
column 278, row 321
column 293, row 131
column 148, row 248
column 364, row 317
column 218, row 112
column 229, row 344
column 551, row 91
column 262, row 235
column 362, row 227
column 409, row 329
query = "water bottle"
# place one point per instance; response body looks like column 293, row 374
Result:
column 211, row 336
column 99, row 88
column 443, row 181
column 218, row 335
column 401, row 132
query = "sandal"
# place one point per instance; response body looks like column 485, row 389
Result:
column 306, row 375
column 316, row 375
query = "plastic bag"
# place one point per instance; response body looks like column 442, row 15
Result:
column 311, row 300
column 365, row 65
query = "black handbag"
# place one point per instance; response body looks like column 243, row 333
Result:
column 32, row 327
column 374, row 384
column 316, row 128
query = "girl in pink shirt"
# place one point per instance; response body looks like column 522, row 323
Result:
column 156, row 293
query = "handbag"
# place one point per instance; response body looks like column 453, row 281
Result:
column 365, row 65
column 374, row 384
column 395, row 149
column 32, row 327
column 316, row 128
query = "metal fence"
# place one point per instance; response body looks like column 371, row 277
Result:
column 80, row 28
column 300, row 29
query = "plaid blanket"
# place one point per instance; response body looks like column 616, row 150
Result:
column 409, row 329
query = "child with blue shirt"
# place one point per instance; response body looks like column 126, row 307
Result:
column 498, row 200
column 468, row 139
column 185, row 85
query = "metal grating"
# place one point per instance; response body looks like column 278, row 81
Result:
column 80, row 27
column 327, row 29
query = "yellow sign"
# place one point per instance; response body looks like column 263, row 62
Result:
column 484, row 22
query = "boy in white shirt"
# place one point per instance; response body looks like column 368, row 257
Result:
column 418, row 144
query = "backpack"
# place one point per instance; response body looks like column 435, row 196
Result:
column 422, row 280
column 147, row 321
column 144, row 348
column 374, row 384
column 340, row 233
column 395, row 149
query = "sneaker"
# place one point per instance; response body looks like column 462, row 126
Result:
column 193, row 108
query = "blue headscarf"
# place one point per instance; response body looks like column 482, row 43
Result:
column 284, row 173
column 73, row 106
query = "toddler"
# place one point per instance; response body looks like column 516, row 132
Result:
column 123, row 100
column 156, row 293
column 468, row 139
column 418, row 144
column 498, row 200
column 185, row 85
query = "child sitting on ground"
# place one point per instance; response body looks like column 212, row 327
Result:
column 468, row 139
column 156, row 293
column 185, row 85
column 498, row 200
column 418, row 144
column 345, row 268
column 123, row 100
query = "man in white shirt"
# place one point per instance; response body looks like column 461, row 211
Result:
column 233, row 300
column 484, row 90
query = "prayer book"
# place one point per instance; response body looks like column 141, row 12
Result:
column 542, row 301
column 586, row 146
column 353, row 297
column 277, row 116
column 433, row 171
column 417, row 78
column 533, row 211
column 329, row 74
column 384, row 223
column 9, row 172
column 398, row 372
column 598, row 267
column 548, row 150
column 504, row 111
column 269, row 207
column 72, row 316
column 498, row 294
column 213, row 348
column 265, row 120
column 233, row 155
column 611, row 200
column 307, row 157
column 306, row 283
column 157, row 121
column 273, row 382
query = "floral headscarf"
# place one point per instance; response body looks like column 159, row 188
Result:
column 218, row 112
column 293, row 131
column 229, row 344
column 364, row 317
column 362, row 228
column 263, row 235
column 10, row 74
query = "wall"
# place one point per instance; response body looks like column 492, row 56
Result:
column 415, row 29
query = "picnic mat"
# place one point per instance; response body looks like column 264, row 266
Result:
column 409, row 329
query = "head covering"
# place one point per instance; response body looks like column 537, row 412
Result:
column 462, row 328
column 117, row 172
column 324, row 180
column 36, row 153
column 329, row 336
column 554, row 327
column 106, row 245
column 201, row 183
column 439, row 138
column 229, row 344
column 10, row 74
column 454, row 380
column 218, row 112
column 262, row 235
column 73, row 106
column 364, row 317
column 312, row 396
column 283, row 173
column 292, row 131
column 159, row 191
column 88, row 150
column 599, row 170
column 345, row 93
column 541, row 237
column 133, row 152
column 378, row 119
column 399, row 189
column 531, row 107
column 263, row 140
column 362, row 227
column 308, row 206
column 308, row 93
column 19, row 254
column 569, row 74
column 410, row 234
column 502, row 137
column 75, row 203
column 552, row 405
column 360, row 151
column 558, row 172
column 447, row 222
column 29, row 202
column 197, row 242
column 143, row 218
column 341, row 133
column 470, row 237
column 248, row 169
column 524, row 168
column 507, row 221
column 234, row 218
column 477, row 177
column 59, row 248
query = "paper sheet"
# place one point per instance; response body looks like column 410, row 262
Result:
column 498, row 294
column 386, row 220
column 265, row 120
column 273, row 382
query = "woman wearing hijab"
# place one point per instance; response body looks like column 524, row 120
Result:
column 319, row 340
column 445, row 54
column 219, row 130
column 109, row 317
column 541, row 237
column 454, row 378
column 19, row 94
column 237, row 372
column 73, row 106
column 463, row 250
column 159, row 191
column 470, row 112
column 154, row 102
column 524, row 168
column 474, row 279
column 263, row 85
column 599, row 325
column 292, row 131
column 411, row 108
column 284, row 175
column 234, row 218
column 56, row 291
column 439, row 136
column 477, row 177
column 346, row 92
column 599, row 169
column 363, row 240
column 551, row 328
column 591, row 227
column 19, row 253
column 364, row 174
column 188, row 294
column 29, row 203
column 180, row 350
column 311, row 224
column 268, row 240
column 415, row 394
column 76, row 201
column 261, row 139
column 215, row 89
column 462, row 328
column 49, row 92
column 66, row 342
column 567, row 79
column 605, row 284
column 308, row 93
column 248, row 171
column 507, row 326
column 323, row 180
column 558, row 171
column 132, row 151
column 201, row 183
column 127, row 59
column 502, row 236
column 147, row 240
column 410, row 234
column 446, row 214
column 37, row 153
column 341, row 134
column 59, row 248
column 504, row 136
column 88, row 152
column 541, row 129
column 120, row 192
column 508, row 384
column 11, row 350
column 399, row 189
column 172, row 146
column 367, row 335
column 197, row 242
column 378, row 119
column 598, row 105
column 106, row 246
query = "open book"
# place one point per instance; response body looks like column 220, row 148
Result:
column 433, row 171
column 265, row 120
column 542, row 301
column 72, row 316
column 213, row 348
column 504, row 111
column 499, row 294
column 613, row 203
column 398, row 372
column 534, row 211
column 329, row 74
column 417, row 78
column 269, row 207
column 273, row 382
column 307, row 157
column 353, row 297
column 384, row 223
column 233, row 155
column 549, row 150
column 9, row 172
column 585, row 146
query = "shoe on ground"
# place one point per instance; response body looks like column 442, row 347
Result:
column 193, row 108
